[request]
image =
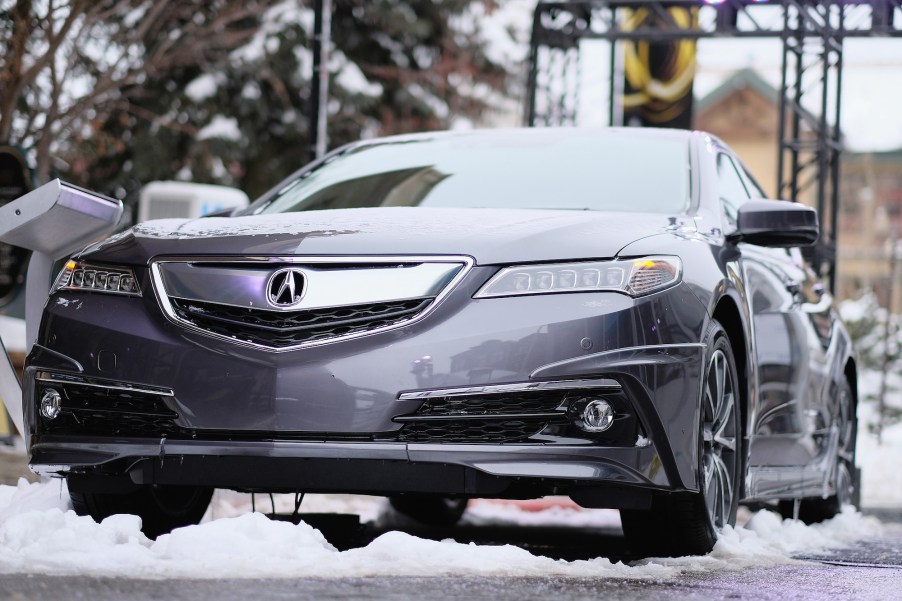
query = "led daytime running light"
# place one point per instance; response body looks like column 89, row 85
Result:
column 112, row 280
column 635, row 277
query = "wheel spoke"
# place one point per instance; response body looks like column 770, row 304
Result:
column 724, row 429
column 710, row 485
column 719, row 437
column 720, row 375
column 725, row 487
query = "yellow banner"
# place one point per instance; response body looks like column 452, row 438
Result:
column 658, row 76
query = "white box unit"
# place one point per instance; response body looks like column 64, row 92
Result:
column 184, row 200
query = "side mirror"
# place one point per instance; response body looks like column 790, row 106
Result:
column 776, row 223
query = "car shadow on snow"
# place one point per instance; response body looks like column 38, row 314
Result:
column 555, row 540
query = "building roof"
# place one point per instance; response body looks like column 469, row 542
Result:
column 744, row 78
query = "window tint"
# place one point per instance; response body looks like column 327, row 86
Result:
column 730, row 188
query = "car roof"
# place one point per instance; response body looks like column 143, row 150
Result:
column 551, row 132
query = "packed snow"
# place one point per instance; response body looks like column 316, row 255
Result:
column 39, row 533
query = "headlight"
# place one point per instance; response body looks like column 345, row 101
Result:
column 631, row 276
column 113, row 280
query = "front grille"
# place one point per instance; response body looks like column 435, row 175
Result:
column 243, row 299
column 92, row 409
column 280, row 329
column 514, row 417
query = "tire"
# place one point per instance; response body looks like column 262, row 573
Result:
column 161, row 508
column 688, row 523
column 431, row 510
column 846, row 478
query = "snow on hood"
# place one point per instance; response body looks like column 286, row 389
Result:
column 492, row 236
column 39, row 533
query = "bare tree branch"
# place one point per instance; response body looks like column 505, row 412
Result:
column 70, row 59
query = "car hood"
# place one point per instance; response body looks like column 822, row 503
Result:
column 491, row 236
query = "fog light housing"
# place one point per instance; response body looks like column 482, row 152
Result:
column 50, row 404
column 597, row 415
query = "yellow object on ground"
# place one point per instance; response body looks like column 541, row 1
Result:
column 6, row 435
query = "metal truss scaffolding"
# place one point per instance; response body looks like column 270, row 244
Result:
column 811, row 33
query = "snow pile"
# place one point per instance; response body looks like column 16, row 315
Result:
column 767, row 540
column 40, row 534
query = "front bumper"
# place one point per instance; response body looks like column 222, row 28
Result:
column 364, row 468
column 325, row 419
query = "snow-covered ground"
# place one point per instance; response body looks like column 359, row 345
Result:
column 40, row 534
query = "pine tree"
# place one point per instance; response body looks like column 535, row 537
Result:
column 241, row 117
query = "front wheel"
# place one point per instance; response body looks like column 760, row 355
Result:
column 688, row 523
column 161, row 508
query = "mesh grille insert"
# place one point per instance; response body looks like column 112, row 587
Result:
column 489, row 418
column 282, row 329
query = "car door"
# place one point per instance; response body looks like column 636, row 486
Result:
column 788, row 364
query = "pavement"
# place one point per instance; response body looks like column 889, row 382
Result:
column 789, row 583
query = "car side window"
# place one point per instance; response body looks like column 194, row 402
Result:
column 730, row 189
column 750, row 184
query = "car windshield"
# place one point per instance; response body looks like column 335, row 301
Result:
column 528, row 169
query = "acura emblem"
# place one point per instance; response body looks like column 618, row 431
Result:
column 285, row 288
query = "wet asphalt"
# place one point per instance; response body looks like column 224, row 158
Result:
column 869, row 570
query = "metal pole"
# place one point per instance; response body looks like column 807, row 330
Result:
column 781, row 126
column 835, row 154
column 887, row 332
column 532, row 84
column 319, row 82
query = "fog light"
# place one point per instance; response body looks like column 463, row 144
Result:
column 50, row 404
column 597, row 416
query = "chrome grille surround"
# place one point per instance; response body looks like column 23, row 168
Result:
column 438, row 274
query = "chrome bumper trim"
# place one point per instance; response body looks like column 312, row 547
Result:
column 604, row 385
column 47, row 378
